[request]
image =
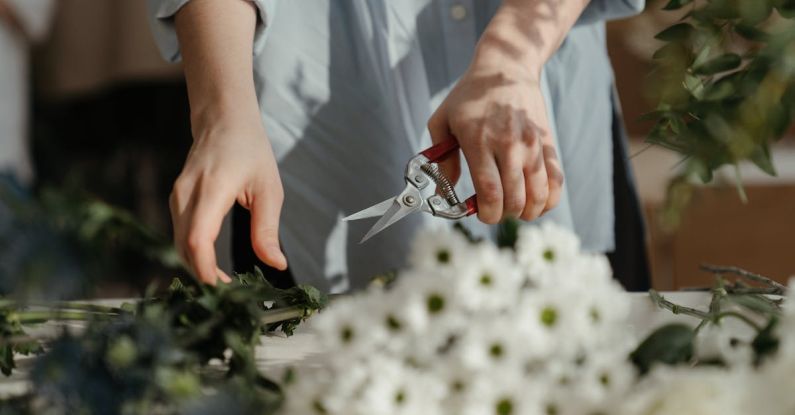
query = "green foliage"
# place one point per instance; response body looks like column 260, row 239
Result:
column 724, row 83
column 17, row 341
column 765, row 343
column 508, row 233
column 748, row 297
column 161, row 355
column 671, row 344
column 59, row 244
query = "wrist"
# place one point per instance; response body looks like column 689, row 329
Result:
column 493, row 55
column 224, row 110
column 513, row 40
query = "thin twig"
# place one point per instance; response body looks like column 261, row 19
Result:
column 746, row 291
column 738, row 316
column 676, row 308
column 747, row 275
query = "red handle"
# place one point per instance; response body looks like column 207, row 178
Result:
column 472, row 205
column 441, row 151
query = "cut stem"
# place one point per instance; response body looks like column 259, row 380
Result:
column 781, row 289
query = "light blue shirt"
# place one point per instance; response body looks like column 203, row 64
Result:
column 345, row 90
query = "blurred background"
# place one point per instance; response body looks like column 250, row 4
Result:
column 97, row 128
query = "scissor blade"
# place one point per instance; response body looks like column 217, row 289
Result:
column 396, row 212
column 372, row 211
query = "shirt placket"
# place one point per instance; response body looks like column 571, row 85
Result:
column 458, row 25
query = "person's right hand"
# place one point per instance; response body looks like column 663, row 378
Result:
column 229, row 161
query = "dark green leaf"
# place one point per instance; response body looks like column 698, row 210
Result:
column 670, row 345
column 676, row 4
column 677, row 32
column 722, row 63
column 508, row 233
column 765, row 343
column 751, row 33
column 719, row 90
column 761, row 158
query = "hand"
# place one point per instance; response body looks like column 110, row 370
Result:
column 229, row 161
column 497, row 114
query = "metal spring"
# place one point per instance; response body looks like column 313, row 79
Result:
column 443, row 184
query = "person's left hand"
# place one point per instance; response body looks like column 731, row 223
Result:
column 497, row 114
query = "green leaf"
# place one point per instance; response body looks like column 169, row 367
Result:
column 670, row 344
column 765, row 343
column 786, row 8
column 722, row 63
column 676, row 4
column 761, row 158
column 751, row 33
column 508, row 233
column 677, row 32
column 754, row 303
column 720, row 90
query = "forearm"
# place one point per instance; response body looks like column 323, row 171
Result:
column 216, row 37
column 526, row 33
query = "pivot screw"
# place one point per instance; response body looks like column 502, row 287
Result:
column 418, row 179
column 437, row 202
column 409, row 200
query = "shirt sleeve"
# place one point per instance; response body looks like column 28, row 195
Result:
column 161, row 19
column 601, row 10
column 34, row 16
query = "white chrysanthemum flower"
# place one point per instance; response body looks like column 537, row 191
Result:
column 489, row 280
column 542, row 248
column 689, row 391
column 501, row 392
column 557, row 315
column 344, row 328
column 439, row 250
column 491, row 344
column 719, row 342
column 394, row 388
column 605, row 376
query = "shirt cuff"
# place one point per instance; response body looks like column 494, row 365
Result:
column 161, row 19
column 602, row 10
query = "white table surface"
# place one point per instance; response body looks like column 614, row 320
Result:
column 278, row 352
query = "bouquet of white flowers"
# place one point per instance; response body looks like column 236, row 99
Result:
column 541, row 329
column 472, row 329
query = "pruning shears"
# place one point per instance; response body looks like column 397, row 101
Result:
column 421, row 171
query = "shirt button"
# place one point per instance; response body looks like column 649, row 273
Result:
column 458, row 12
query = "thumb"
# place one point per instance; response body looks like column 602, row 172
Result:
column 440, row 132
column 265, row 212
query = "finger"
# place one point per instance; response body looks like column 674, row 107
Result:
column 266, row 207
column 222, row 275
column 440, row 132
column 536, row 184
column 178, row 203
column 205, row 224
column 488, row 186
column 554, row 176
column 511, row 165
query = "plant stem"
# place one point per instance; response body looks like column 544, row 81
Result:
column 747, row 275
column 30, row 317
column 283, row 314
column 747, row 291
column 676, row 308
column 739, row 316
column 61, row 305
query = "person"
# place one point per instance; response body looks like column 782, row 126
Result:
column 22, row 22
column 304, row 112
